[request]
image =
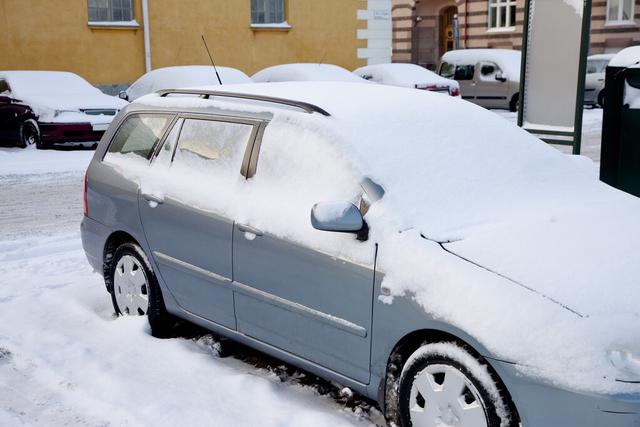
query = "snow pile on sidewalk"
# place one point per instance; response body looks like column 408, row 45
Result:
column 452, row 172
column 65, row 360
column 15, row 161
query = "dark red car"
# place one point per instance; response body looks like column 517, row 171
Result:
column 47, row 107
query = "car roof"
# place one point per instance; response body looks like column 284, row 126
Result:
column 602, row 56
column 306, row 72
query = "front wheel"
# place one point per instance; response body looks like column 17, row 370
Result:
column 444, row 384
column 29, row 135
column 135, row 290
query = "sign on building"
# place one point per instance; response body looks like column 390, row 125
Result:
column 554, row 54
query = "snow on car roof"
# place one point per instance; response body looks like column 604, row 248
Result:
column 601, row 56
column 508, row 60
column 306, row 72
column 626, row 57
column 407, row 75
column 180, row 77
column 47, row 82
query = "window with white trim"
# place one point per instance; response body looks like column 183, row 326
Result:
column 620, row 11
column 110, row 10
column 267, row 12
column 502, row 14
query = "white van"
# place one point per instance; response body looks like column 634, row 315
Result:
column 487, row 77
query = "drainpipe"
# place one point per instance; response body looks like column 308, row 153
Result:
column 466, row 24
column 147, row 35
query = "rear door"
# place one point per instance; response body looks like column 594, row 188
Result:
column 464, row 75
column 297, row 288
column 184, row 210
column 490, row 93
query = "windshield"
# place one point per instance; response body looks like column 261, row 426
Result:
column 447, row 70
column 595, row 66
column 49, row 83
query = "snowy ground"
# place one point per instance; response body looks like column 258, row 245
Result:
column 65, row 360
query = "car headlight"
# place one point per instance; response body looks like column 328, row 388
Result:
column 626, row 362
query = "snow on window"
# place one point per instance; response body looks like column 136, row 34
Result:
column 139, row 134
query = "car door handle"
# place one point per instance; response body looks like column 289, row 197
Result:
column 153, row 199
column 248, row 229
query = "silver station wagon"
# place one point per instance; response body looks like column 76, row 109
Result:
column 416, row 248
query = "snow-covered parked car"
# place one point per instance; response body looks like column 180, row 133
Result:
column 458, row 270
column 180, row 77
column 46, row 107
column 487, row 77
column 594, row 82
column 306, row 72
column 408, row 75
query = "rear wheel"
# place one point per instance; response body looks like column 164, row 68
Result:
column 135, row 290
column 29, row 135
column 444, row 384
column 601, row 99
column 514, row 104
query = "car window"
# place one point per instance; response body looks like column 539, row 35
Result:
column 464, row 72
column 4, row 88
column 447, row 70
column 489, row 71
column 139, row 134
column 208, row 143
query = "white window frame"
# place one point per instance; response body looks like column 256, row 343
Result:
column 268, row 7
column 494, row 7
column 110, row 8
column 618, row 20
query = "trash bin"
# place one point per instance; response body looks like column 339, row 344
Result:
column 620, row 153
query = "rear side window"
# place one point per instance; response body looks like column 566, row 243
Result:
column 212, row 145
column 139, row 134
column 464, row 72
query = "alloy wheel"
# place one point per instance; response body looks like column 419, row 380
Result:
column 131, row 287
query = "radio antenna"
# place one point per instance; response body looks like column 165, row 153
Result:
column 211, row 58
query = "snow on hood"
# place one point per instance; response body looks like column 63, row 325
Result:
column 48, row 91
column 406, row 75
column 538, row 245
column 181, row 77
column 306, row 72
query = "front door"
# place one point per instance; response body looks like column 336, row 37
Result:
column 297, row 288
column 187, row 228
column 490, row 92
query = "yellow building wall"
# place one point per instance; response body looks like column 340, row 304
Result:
column 55, row 35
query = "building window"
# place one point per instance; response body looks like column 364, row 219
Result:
column 110, row 10
column 502, row 14
column 267, row 12
column 620, row 11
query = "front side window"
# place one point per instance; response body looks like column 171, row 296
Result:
column 110, row 10
column 620, row 11
column 447, row 70
column 502, row 14
column 210, row 146
column 139, row 134
column 267, row 12
column 464, row 72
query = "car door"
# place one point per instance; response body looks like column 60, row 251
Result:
column 184, row 216
column 464, row 75
column 303, row 297
column 8, row 114
column 490, row 92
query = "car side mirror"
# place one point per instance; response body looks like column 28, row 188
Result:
column 342, row 217
column 501, row 78
column 123, row 95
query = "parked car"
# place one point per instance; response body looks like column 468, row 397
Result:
column 594, row 83
column 306, row 72
column 452, row 268
column 408, row 75
column 487, row 77
column 45, row 107
column 182, row 77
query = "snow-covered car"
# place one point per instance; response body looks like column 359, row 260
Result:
column 306, row 72
column 180, row 77
column 408, row 75
column 457, row 270
column 55, row 107
column 594, row 82
column 487, row 77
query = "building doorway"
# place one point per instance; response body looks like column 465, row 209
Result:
column 447, row 29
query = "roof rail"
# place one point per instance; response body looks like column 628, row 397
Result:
column 305, row 106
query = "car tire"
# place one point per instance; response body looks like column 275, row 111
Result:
column 514, row 104
column 29, row 134
column 445, row 384
column 601, row 99
column 135, row 290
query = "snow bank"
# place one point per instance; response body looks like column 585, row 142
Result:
column 182, row 77
column 15, row 161
column 306, row 72
column 58, row 97
column 503, row 198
